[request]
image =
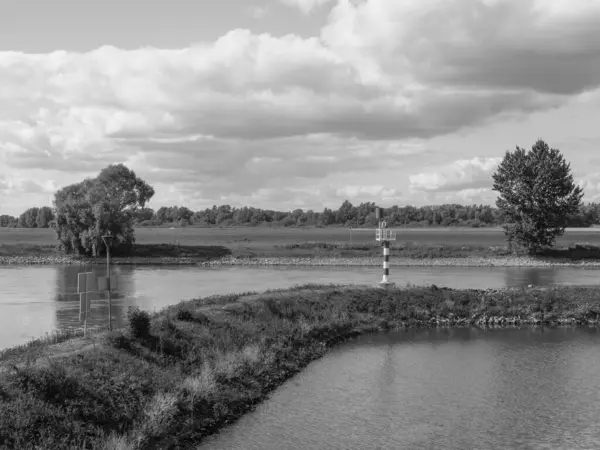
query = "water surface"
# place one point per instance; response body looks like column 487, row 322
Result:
column 38, row 299
column 436, row 389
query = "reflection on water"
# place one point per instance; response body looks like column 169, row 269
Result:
column 525, row 276
column 429, row 389
column 38, row 299
column 67, row 298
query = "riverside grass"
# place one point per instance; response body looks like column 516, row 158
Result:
column 174, row 377
column 330, row 254
column 192, row 245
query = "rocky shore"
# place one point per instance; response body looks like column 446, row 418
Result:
column 502, row 261
column 520, row 261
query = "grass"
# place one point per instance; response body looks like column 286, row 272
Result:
column 210, row 243
column 172, row 378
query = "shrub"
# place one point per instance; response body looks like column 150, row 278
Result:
column 184, row 315
column 118, row 340
column 139, row 322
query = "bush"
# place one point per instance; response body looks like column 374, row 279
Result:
column 118, row 340
column 139, row 322
column 184, row 315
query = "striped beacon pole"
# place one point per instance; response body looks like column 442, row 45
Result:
column 384, row 235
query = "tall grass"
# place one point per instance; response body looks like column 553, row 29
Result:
column 55, row 337
column 190, row 369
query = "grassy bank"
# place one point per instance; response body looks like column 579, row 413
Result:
column 314, row 254
column 191, row 245
column 176, row 376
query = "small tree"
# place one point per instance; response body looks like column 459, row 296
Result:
column 537, row 195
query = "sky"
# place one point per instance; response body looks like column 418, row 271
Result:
column 286, row 104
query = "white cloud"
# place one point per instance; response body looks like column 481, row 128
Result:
column 591, row 187
column 248, row 112
column 469, row 176
column 368, row 193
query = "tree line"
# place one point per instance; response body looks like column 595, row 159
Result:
column 32, row 218
column 537, row 199
column 348, row 215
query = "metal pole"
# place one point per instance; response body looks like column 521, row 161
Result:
column 108, row 287
column 85, row 308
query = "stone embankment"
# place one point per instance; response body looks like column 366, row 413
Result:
column 59, row 259
column 399, row 262
column 505, row 261
column 42, row 259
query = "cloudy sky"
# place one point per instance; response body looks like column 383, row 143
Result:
column 294, row 103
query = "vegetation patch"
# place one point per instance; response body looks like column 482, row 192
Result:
column 172, row 378
column 173, row 251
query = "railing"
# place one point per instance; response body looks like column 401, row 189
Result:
column 383, row 234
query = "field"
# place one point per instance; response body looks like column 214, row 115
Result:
column 262, row 241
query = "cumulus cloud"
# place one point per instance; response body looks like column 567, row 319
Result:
column 591, row 187
column 467, row 175
column 25, row 186
column 247, row 113
column 489, row 45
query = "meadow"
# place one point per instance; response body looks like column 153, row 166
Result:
column 172, row 378
column 331, row 241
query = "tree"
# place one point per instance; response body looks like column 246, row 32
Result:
column 537, row 195
column 143, row 214
column 44, row 217
column 86, row 211
column 28, row 218
column 184, row 214
column 8, row 221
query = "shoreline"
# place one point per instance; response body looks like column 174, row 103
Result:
column 318, row 261
column 252, row 344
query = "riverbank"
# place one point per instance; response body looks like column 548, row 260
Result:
column 308, row 261
column 312, row 253
column 172, row 378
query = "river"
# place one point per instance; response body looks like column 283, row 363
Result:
column 452, row 389
column 35, row 300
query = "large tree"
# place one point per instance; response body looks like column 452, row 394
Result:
column 86, row 211
column 537, row 194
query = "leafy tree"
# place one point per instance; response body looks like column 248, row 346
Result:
column 7, row 221
column 143, row 214
column 537, row 195
column 163, row 214
column 86, row 211
column 29, row 218
column 184, row 214
column 44, row 217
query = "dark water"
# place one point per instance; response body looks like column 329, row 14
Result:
column 38, row 299
column 436, row 389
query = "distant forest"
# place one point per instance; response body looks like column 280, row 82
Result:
column 347, row 215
